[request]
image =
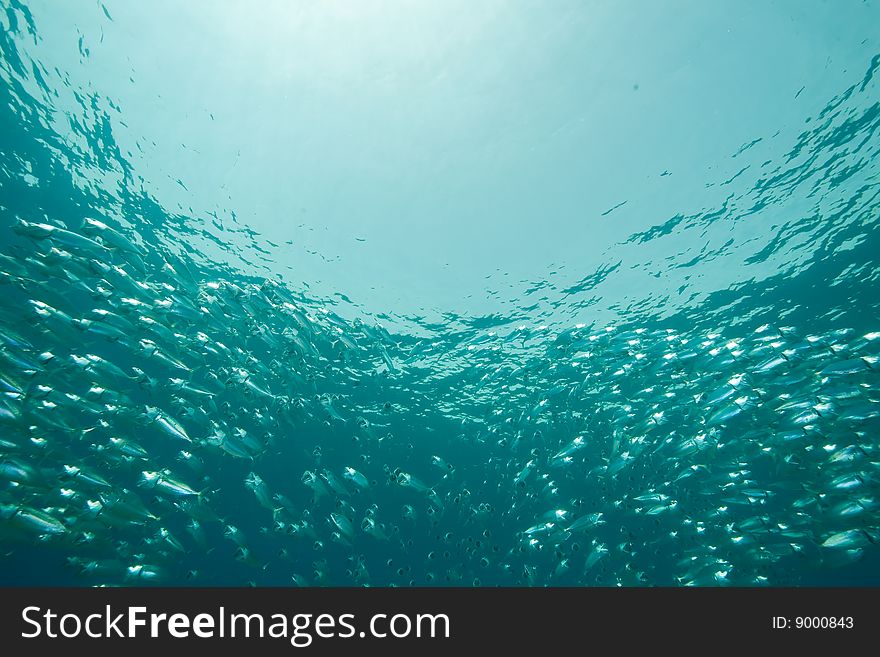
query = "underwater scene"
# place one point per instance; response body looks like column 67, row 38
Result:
column 439, row 293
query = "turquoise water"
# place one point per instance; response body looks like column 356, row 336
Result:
column 387, row 293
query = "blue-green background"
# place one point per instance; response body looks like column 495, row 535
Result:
column 453, row 169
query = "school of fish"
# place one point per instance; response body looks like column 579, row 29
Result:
column 135, row 387
column 169, row 419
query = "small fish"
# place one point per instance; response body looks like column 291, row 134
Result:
column 355, row 477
